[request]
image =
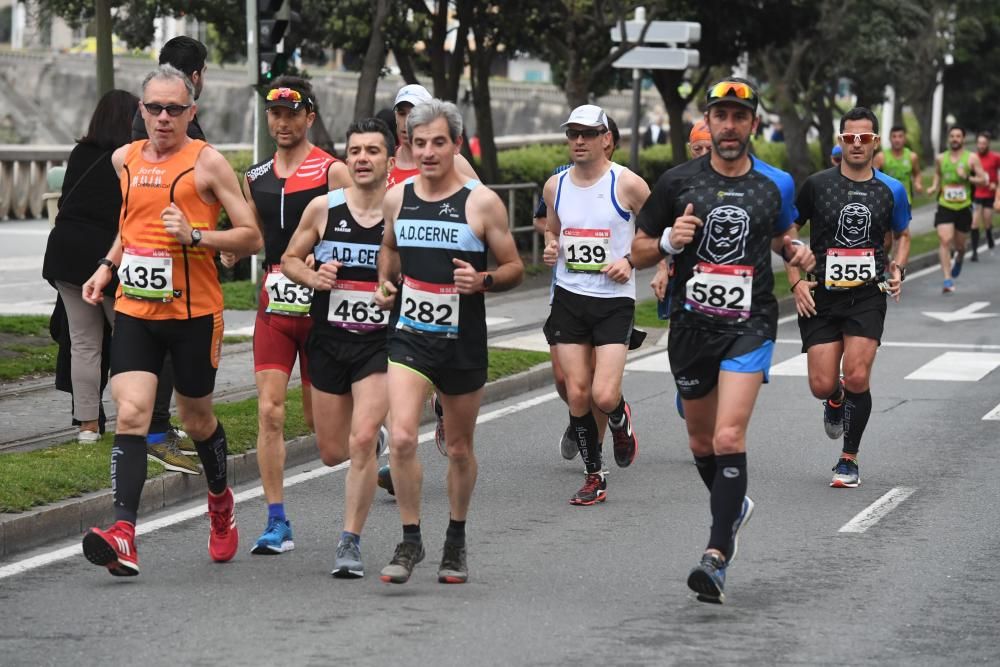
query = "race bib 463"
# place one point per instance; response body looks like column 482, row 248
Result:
column 351, row 307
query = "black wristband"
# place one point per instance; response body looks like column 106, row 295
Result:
column 792, row 288
column 104, row 261
column 628, row 258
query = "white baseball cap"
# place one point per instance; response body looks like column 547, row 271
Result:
column 413, row 93
column 588, row 115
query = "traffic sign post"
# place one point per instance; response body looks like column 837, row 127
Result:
column 650, row 57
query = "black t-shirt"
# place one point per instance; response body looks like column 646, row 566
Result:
column 846, row 214
column 741, row 216
column 87, row 222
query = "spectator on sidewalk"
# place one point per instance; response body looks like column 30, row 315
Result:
column 85, row 228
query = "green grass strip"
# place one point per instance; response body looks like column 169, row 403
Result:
column 69, row 470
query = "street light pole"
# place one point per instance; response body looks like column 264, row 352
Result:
column 640, row 16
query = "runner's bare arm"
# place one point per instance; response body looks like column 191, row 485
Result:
column 632, row 194
column 300, row 246
column 901, row 243
column 465, row 168
column 245, row 237
column 388, row 254
column 93, row 289
column 794, row 252
column 338, row 176
column 879, row 160
column 936, row 180
column 978, row 175
column 488, row 207
column 229, row 259
column 552, row 225
column 645, row 249
column 917, row 177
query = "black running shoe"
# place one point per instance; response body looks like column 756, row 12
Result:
column 399, row 569
column 454, row 567
column 625, row 439
column 709, row 579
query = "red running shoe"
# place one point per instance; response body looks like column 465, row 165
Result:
column 594, row 490
column 113, row 548
column 224, row 539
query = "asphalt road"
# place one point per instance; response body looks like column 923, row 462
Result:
column 553, row 584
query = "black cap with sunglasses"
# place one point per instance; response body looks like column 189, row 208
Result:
column 732, row 91
column 288, row 97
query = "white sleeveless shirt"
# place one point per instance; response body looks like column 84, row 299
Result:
column 595, row 231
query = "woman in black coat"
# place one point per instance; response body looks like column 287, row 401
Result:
column 85, row 228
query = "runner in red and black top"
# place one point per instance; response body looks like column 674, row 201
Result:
column 279, row 189
column 347, row 345
column 984, row 194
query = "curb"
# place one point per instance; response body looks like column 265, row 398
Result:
column 73, row 516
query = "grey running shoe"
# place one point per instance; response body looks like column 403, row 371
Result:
column 382, row 441
column 454, row 567
column 709, row 578
column 568, row 446
column 833, row 417
column 743, row 519
column 348, row 563
column 401, row 566
column 846, row 474
column 167, row 455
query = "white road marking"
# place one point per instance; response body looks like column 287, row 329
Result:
column 878, row 509
column 74, row 550
column 797, row 366
column 992, row 415
column 654, row 363
column 534, row 341
column 962, row 314
column 957, row 367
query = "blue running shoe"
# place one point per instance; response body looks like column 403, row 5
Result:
column 277, row 539
column 948, row 287
column 846, row 474
column 680, row 406
column 708, row 579
column 956, row 266
column 743, row 519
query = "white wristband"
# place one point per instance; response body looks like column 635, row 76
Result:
column 665, row 244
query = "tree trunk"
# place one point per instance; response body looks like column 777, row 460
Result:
column 406, row 68
column 923, row 109
column 489, row 168
column 666, row 82
column 435, row 48
column 824, row 117
column 371, row 67
column 105, row 62
column 320, row 136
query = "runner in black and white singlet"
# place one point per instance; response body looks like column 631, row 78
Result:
column 849, row 209
column 279, row 189
column 589, row 230
column 347, row 344
column 721, row 217
column 432, row 274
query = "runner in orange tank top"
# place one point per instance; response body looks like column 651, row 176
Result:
column 170, row 301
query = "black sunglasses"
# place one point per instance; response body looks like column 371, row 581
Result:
column 174, row 110
column 586, row 134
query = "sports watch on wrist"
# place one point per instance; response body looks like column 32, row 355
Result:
column 195, row 237
column 487, row 281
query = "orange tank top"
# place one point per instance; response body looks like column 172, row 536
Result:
column 160, row 278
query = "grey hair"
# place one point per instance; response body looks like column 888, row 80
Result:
column 428, row 112
column 168, row 73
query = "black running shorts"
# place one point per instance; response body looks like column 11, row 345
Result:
column 589, row 320
column 415, row 352
column 335, row 364
column 985, row 202
column 856, row 312
column 195, row 346
column 962, row 218
column 696, row 356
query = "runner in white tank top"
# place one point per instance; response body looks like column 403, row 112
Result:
column 589, row 231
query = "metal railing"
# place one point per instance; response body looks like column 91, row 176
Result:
column 513, row 215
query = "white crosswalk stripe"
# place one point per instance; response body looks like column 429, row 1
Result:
column 957, row 367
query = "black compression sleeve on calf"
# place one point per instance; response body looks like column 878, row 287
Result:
column 706, row 468
column 616, row 416
column 584, row 431
column 857, row 410
column 128, row 474
column 212, row 453
column 975, row 239
column 728, row 491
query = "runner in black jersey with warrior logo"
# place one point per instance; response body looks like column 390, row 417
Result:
column 432, row 270
column 849, row 208
column 346, row 348
column 278, row 190
column 720, row 216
